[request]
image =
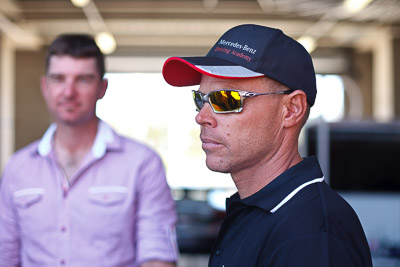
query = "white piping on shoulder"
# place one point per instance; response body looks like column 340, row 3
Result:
column 294, row 192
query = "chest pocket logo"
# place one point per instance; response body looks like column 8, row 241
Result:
column 107, row 195
column 27, row 197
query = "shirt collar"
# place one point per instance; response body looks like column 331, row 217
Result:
column 44, row 146
column 104, row 137
column 273, row 195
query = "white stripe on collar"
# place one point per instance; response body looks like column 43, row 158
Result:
column 104, row 136
column 294, row 192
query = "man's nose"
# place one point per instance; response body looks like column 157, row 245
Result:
column 69, row 88
column 206, row 116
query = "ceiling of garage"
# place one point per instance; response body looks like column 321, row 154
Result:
column 187, row 26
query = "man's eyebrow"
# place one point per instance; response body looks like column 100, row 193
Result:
column 79, row 75
column 87, row 75
column 54, row 74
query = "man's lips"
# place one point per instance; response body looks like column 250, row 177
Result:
column 209, row 143
column 69, row 105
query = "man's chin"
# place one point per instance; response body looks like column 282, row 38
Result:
column 217, row 167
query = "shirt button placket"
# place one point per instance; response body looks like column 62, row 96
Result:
column 63, row 229
column 217, row 257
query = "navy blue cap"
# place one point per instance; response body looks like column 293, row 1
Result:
column 248, row 51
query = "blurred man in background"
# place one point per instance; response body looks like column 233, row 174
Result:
column 83, row 195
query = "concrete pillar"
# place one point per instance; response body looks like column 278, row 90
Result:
column 359, row 85
column 7, row 99
column 383, row 101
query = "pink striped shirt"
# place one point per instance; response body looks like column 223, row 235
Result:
column 117, row 210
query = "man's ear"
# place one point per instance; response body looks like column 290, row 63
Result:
column 295, row 105
column 43, row 85
column 103, row 88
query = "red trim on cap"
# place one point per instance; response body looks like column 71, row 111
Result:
column 179, row 72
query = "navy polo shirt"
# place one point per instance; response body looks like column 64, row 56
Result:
column 296, row 220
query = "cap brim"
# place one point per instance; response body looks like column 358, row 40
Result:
column 187, row 71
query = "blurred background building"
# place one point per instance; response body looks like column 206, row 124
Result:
column 354, row 127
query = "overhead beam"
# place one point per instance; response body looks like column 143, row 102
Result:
column 10, row 8
column 22, row 38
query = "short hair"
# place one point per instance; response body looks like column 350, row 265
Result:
column 77, row 46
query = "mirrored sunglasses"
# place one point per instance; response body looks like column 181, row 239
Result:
column 227, row 100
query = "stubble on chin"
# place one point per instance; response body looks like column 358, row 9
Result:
column 217, row 165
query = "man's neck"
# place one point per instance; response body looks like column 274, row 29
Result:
column 250, row 181
column 72, row 143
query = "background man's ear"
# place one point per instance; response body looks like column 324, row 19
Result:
column 103, row 89
column 43, row 85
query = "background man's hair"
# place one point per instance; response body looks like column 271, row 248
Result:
column 77, row 46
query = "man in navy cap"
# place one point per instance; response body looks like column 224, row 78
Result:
column 283, row 214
